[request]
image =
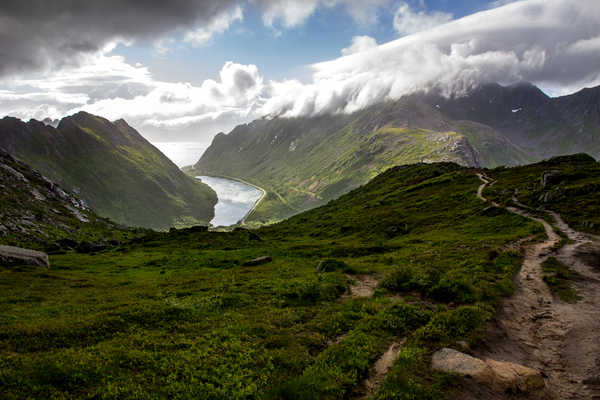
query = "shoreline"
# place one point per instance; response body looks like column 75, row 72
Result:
column 256, row 203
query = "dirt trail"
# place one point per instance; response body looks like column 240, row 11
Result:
column 562, row 340
column 381, row 368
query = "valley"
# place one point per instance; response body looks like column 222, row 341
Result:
column 304, row 162
column 300, row 200
column 112, row 168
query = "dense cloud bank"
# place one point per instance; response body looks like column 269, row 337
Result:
column 553, row 43
column 49, row 34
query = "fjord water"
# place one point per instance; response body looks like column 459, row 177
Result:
column 236, row 199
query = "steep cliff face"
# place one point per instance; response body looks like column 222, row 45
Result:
column 112, row 168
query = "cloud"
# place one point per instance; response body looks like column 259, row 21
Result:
column 49, row 35
column 291, row 13
column 359, row 43
column 163, row 111
column 407, row 21
column 38, row 35
column 201, row 36
column 552, row 43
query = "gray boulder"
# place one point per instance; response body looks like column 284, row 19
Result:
column 455, row 362
column 10, row 255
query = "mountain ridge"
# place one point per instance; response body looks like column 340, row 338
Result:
column 113, row 168
column 303, row 162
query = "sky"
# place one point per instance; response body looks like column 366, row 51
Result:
column 182, row 71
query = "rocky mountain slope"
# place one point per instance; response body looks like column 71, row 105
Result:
column 304, row 162
column 543, row 126
column 112, row 168
column 36, row 212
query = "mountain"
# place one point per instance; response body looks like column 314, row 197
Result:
column 543, row 126
column 112, row 168
column 36, row 212
column 307, row 161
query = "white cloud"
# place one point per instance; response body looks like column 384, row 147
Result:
column 552, row 43
column 291, row 13
column 359, row 43
column 220, row 24
column 406, row 20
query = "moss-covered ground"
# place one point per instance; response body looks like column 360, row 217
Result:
column 178, row 315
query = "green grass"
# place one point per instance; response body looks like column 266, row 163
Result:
column 177, row 315
column 303, row 163
column 119, row 174
column 559, row 279
column 574, row 189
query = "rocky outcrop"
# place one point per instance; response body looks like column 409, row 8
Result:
column 498, row 375
column 547, row 177
column 10, row 255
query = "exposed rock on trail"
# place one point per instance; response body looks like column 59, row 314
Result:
column 500, row 376
column 535, row 329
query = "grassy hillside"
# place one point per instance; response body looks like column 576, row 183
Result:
column 37, row 213
column 567, row 185
column 305, row 162
column 113, row 168
column 180, row 315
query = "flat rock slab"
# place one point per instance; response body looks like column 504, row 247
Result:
column 500, row 376
column 10, row 255
column 258, row 261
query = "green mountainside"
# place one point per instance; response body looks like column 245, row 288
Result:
column 113, row 168
column 305, row 162
column 184, row 315
column 37, row 213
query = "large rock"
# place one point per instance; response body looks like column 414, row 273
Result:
column 500, row 376
column 513, row 377
column 455, row 362
column 10, row 255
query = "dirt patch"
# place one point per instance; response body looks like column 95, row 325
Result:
column 380, row 369
column 535, row 329
column 589, row 253
column 364, row 286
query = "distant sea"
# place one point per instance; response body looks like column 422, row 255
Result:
column 182, row 153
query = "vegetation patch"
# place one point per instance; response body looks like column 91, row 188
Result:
column 559, row 278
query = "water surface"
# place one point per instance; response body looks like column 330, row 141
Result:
column 236, row 199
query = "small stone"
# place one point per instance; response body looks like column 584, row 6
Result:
column 258, row 261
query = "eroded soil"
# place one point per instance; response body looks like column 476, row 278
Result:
column 538, row 330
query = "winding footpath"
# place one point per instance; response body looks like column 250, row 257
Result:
column 535, row 329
